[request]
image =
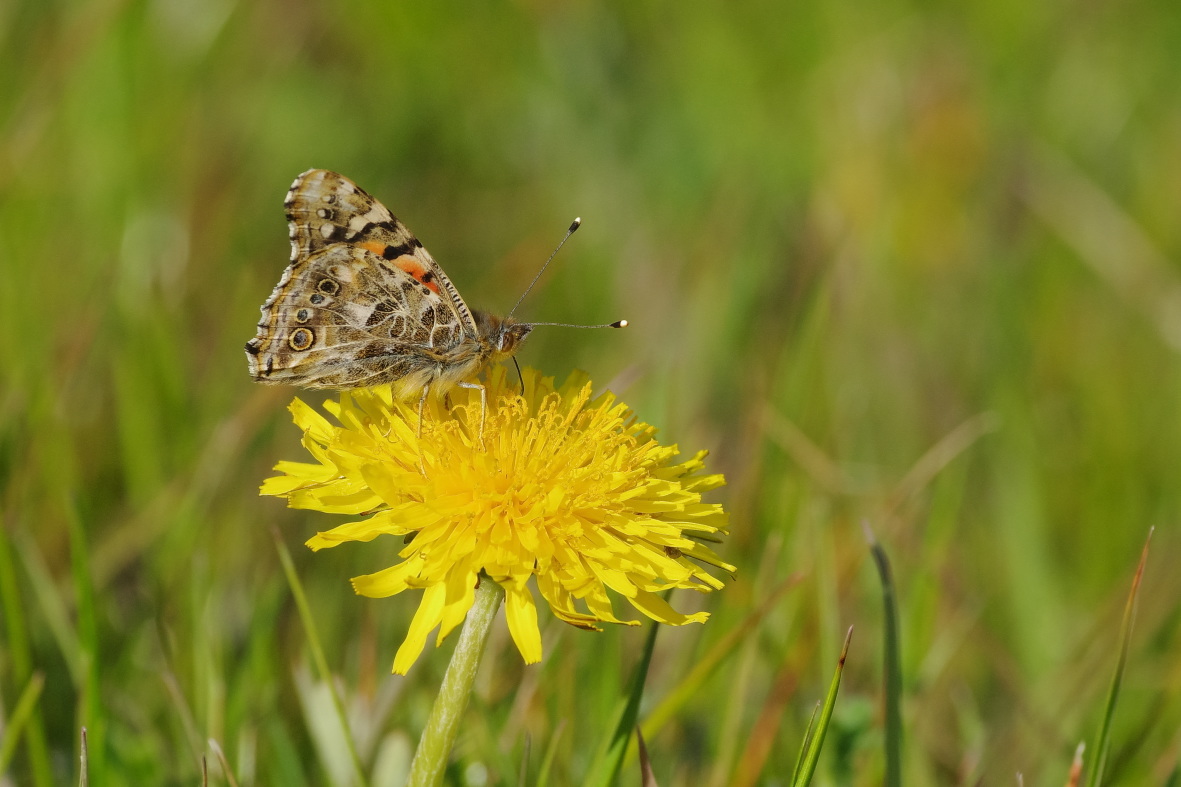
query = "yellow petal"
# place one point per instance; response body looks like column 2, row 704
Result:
column 388, row 581
column 430, row 611
column 461, row 592
column 521, row 614
column 310, row 421
column 366, row 530
column 657, row 608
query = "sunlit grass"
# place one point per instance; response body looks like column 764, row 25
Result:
column 909, row 265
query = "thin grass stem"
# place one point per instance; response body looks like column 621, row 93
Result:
column 892, row 662
column 1103, row 741
column 309, row 624
column 605, row 769
column 814, row 746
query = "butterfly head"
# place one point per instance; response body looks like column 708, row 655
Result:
column 510, row 336
column 503, row 335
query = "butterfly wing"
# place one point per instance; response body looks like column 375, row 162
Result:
column 345, row 318
column 324, row 208
column 362, row 302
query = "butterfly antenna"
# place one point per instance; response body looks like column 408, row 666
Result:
column 616, row 324
column 574, row 225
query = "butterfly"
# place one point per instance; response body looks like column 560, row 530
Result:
column 363, row 303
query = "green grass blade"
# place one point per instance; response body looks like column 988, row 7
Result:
column 18, row 652
column 547, row 760
column 1103, row 741
column 813, row 756
column 804, row 742
column 84, row 761
column 523, row 775
column 892, row 666
column 604, row 771
column 226, row 771
column 309, row 624
column 21, row 714
column 56, row 611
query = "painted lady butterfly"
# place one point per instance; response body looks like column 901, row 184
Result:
column 362, row 303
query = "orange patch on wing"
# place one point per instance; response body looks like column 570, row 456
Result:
column 373, row 246
column 418, row 271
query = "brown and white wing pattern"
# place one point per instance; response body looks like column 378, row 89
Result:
column 362, row 302
column 325, row 207
column 348, row 319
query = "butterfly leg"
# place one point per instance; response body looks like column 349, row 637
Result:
column 418, row 443
column 483, row 406
column 421, row 406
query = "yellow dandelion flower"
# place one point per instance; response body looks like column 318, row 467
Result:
column 570, row 491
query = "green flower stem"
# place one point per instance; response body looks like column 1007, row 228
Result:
column 434, row 749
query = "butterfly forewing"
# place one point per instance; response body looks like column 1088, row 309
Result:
column 324, row 208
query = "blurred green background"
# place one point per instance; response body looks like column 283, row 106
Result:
column 910, row 263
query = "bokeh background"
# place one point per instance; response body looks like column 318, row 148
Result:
column 909, row 263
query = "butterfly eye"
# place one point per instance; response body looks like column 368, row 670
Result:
column 513, row 335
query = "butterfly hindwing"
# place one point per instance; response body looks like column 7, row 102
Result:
column 343, row 317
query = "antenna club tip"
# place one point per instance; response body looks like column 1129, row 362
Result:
column 619, row 324
column 575, row 224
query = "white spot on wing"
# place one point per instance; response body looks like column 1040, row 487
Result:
column 326, row 229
